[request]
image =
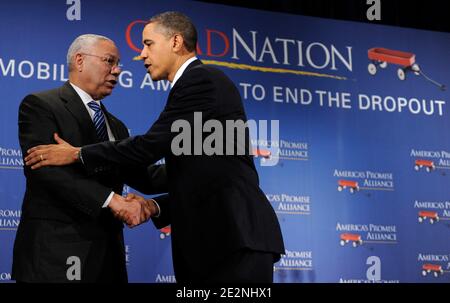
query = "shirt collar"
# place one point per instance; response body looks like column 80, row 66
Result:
column 85, row 97
column 181, row 70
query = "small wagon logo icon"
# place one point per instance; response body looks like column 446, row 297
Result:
column 354, row 238
column 429, row 165
column 352, row 185
column 264, row 153
column 432, row 216
column 165, row 232
column 434, row 269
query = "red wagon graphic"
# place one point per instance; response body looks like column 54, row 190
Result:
column 431, row 215
column 429, row 165
column 354, row 238
column 352, row 185
column 264, row 153
column 380, row 57
column 434, row 269
column 165, row 232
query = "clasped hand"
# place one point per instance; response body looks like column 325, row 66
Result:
column 133, row 209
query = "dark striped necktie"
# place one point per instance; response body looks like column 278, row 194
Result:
column 99, row 121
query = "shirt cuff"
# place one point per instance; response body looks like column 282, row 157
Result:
column 80, row 156
column 105, row 205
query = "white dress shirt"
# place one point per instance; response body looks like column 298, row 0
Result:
column 181, row 70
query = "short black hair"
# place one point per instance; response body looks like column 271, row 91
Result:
column 177, row 23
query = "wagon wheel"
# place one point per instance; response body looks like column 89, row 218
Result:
column 420, row 219
column 352, row 190
column 401, row 74
column 428, row 169
column 342, row 242
column 416, row 167
column 424, row 273
column 416, row 69
column 340, row 188
column 372, row 69
column 383, row 64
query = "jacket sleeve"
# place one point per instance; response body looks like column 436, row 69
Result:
column 194, row 94
column 148, row 180
column 164, row 204
column 68, row 184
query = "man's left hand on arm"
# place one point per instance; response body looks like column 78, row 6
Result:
column 58, row 154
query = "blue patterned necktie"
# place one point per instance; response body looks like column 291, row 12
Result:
column 99, row 121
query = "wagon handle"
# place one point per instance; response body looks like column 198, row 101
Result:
column 441, row 86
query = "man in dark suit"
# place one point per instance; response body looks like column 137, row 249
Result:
column 68, row 232
column 223, row 227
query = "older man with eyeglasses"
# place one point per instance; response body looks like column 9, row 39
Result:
column 68, row 230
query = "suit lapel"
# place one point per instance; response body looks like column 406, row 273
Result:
column 75, row 105
column 180, row 80
column 118, row 132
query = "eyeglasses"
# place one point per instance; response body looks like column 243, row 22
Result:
column 111, row 61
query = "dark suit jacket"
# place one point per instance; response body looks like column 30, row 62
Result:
column 216, row 206
column 62, row 212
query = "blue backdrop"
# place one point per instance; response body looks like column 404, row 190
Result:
column 360, row 185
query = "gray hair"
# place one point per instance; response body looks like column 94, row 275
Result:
column 171, row 23
column 83, row 43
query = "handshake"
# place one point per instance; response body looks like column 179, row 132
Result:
column 133, row 209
